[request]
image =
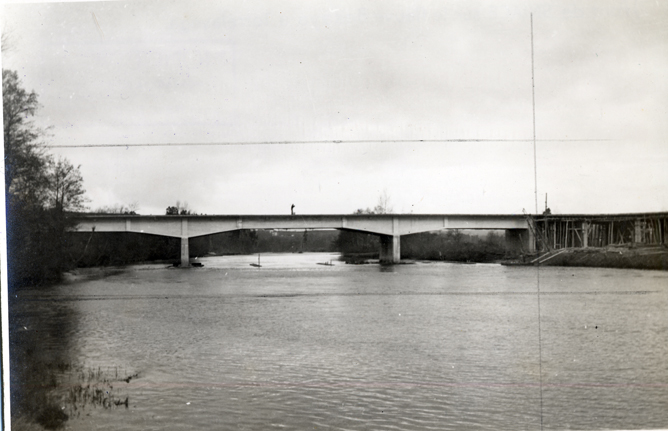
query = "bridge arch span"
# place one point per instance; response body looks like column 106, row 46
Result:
column 390, row 227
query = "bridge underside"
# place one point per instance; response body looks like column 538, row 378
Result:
column 388, row 227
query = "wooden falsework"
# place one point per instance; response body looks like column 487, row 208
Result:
column 571, row 231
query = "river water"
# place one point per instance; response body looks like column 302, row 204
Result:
column 296, row 345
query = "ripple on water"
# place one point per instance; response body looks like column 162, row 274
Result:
column 436, row 346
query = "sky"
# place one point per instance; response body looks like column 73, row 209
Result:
column 284, row 80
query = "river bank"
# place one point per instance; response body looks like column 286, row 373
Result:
column 647, row 257
column 48, row 386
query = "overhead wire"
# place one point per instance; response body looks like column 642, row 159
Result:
column 314, row 142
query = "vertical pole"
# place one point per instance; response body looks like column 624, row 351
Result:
column 585, row 234
column 637, row 231
column 533, row 106
column 535, row 192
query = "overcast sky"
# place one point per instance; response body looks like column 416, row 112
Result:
column 186, row 72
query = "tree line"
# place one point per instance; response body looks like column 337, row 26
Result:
column 451, row 245
column 39, row 190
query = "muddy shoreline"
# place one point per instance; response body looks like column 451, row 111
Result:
column 647, row 257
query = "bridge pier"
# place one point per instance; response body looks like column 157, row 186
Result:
column 185, row 252
column 390, row 249
column 520, row 240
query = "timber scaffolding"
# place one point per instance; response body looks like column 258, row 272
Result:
column 554, row 231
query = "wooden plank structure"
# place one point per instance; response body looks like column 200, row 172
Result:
column 554, row 231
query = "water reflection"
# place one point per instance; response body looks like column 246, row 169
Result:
column 41, row 349
column 387, row 268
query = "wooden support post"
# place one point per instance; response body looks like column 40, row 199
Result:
column 578, row 236
column 530, row 240
column 637, row 231
column 585, row 234
column 562, row 235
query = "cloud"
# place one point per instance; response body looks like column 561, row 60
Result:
column 178, row 72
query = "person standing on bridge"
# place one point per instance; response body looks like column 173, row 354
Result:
column 292, row 209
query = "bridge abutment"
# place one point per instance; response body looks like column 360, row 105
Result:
column 390, row 249
column 520, row 240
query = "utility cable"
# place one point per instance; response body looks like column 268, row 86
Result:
column 333, row 141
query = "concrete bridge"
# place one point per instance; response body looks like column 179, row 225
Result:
column 390, row 227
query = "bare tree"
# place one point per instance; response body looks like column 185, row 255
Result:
column 383, row 206
column 66, row 192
